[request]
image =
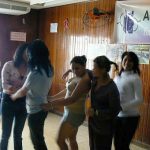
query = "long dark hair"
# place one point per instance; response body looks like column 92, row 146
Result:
column 38, row 54
column 135, row 61
column 79, row 60
column 104, row 62
column 18, row 55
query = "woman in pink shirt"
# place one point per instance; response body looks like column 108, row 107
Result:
column 13, row 76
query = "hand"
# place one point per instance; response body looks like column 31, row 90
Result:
column 65, row 75
column 90, row 112
column 13, row 97
column 46, row 107
column 50, row 98
column 11, row 90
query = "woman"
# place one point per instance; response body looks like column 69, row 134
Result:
column 13, row 76
column 130, row 88
column 36, row 89
column 74, row 114
column 105, row 106
column 104, row 102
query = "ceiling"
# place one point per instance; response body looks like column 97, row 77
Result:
column 38, row 4
column 19, row 7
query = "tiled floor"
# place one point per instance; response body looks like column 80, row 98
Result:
column 51, row 126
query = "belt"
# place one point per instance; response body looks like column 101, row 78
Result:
column 96, row 112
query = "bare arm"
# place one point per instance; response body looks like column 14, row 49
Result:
column 61, row 94
column 20, row 93
column 114, row 71
column 82, row 88
column 65, row 75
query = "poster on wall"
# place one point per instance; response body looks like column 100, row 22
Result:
column 53, row 27
column 132, row 22
column 95, row 50
column 142, row 51
column 114, row 51
column 18, row 36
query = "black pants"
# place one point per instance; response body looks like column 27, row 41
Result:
column 12, row 112
column 36, row 126
column 100, row 134
column 125, row 130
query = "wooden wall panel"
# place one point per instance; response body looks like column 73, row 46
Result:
column 143, row 133
column 65, row 44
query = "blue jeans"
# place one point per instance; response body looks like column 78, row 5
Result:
column 12, row 112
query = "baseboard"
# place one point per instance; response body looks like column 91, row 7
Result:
column 141, row 144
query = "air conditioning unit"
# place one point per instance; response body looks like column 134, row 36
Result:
column 14, row 8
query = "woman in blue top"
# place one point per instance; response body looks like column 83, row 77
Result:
column 36, row 89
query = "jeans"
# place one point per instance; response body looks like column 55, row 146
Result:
column 36, row 126
column 12, row 112
column 100, row 133
column 125, row 130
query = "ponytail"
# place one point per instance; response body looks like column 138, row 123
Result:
column 113, row 63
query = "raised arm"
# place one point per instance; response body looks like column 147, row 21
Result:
column 114, row 71
column 65, row 75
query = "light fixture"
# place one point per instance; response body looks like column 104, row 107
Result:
column 33, row 2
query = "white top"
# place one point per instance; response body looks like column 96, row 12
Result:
column 130, row 89
column 11, row 77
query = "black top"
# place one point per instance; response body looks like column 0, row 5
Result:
column 105, row 99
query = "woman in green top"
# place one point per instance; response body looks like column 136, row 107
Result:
column 74, row 114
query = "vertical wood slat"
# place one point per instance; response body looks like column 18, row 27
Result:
column 75, row 41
